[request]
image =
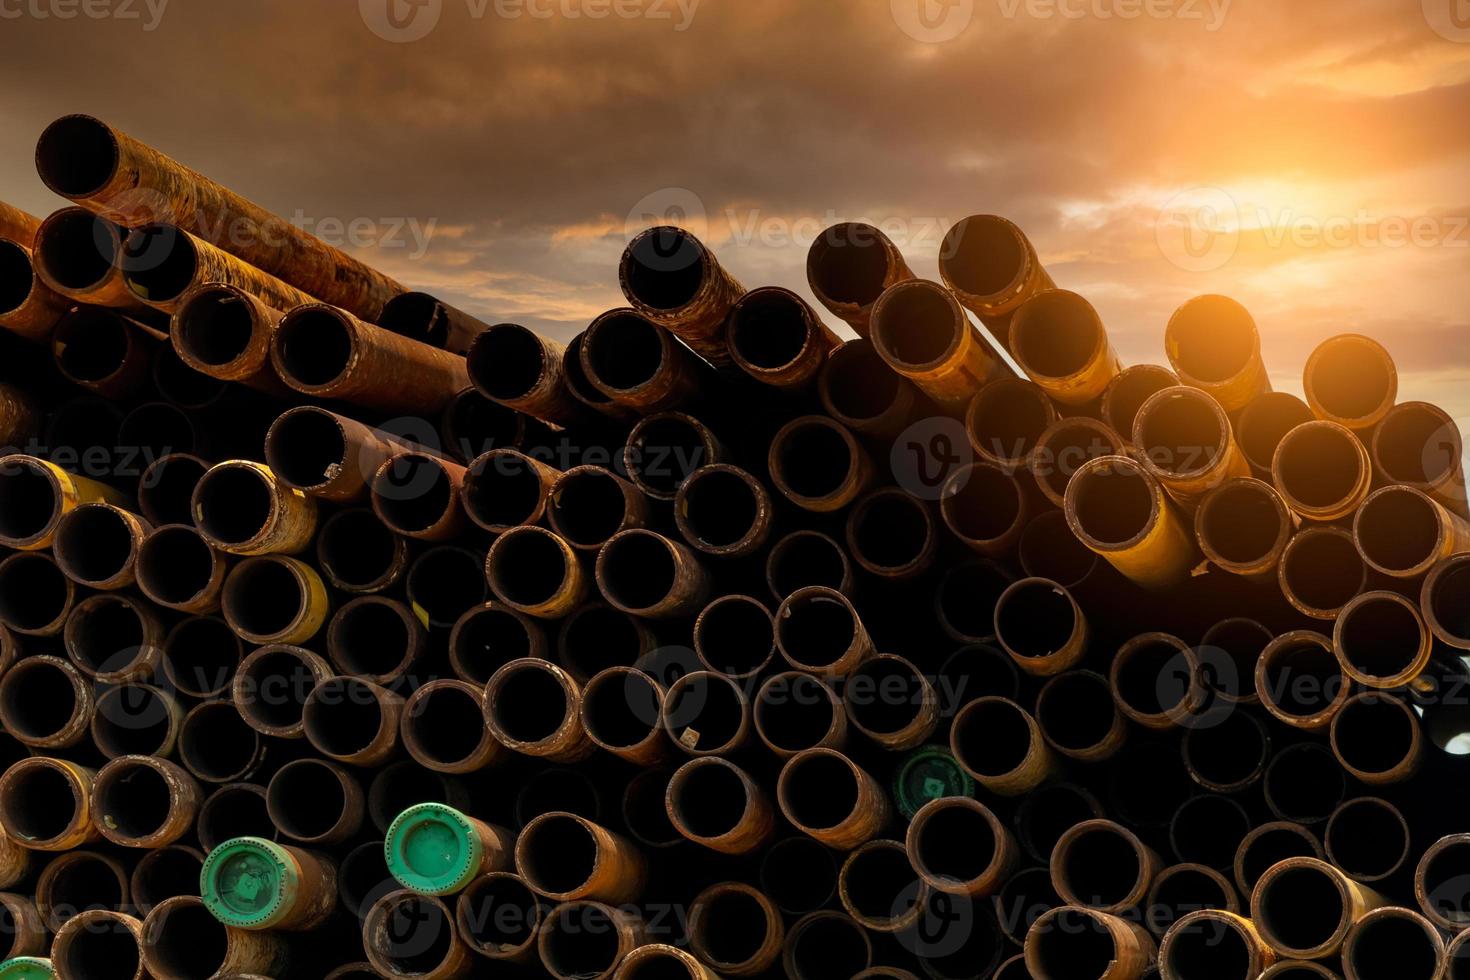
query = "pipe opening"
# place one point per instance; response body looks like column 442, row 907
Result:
column 1396, row 946
column 1056, row 333
column 976, row 670
column 1304, row 784
column 133, row 719
column 799, row 874
column 672, row 447
column 473, row 425
column 638, row 570
column 1323, row 569
column 891, row 530
column 557, row 853
column 588, row 506
column 1130, row 389
column 983, row 254
column 859, row 384
column 919, row 323
column 1114, row 505
column 234, row 811
column 159, row 262
column 644, row 813
column 956, row 843
column 34, row 593
column 17, row 279
column 881, row 884
column 498, row 913
column 1240, row 642
column 175, row 564
column 770, row 329
column 357, row 550
column 805, row 558
column 983, row 504
column 814, row 459
column 795, row 711
column 1417, row 443
column 885, row 695
column 626, row 351
column 1209, row 950
column 371, row 638
column 306, row 448
column 276, row 685
column 1398, row 529
column 1302, row 907
column 158, row 429
column 76, row 155
column 234, row 504
column 530, row 704
column 1048, row 812
column 1022, row 900
column 1184, row 889
column 576, row 378
column 77, row 248
column 486, row 640
column 40, row 701
column 1265, row 422
column 447, row 723
column 1066, row 447
column 592, row 639
column 1148, row 677
column 735, row 635
column 1242, row 523
column 40, row 803
column 1449, row 600
column 342, row 715
column 1208, row 830
column 590, row 946
column 81, row 882
column 1183, row 432
column 1007, row 418
column 28, row 500
column 306, row 799
column 134, row 799
column 363, row 878
column 992, row 738
column 446, row 581
column 106, row 634
column 1374, row 733
column 707, row 707
column 732, row 927
column 1444, row 871
column 418, row 935
column 215, row 327
column 1214, row 338
column 819, row 791
column 503, row 490
column 531, row 568
column 663, row 267
column 167, row 487
column 180, row 384
column 847, row 267
column 400, row 786
column 1228, row 753
column 417, row 315
column 91, row 344
column 164, row 873
column 1350, row 379
column 621, row 708
column 1076, row 711
column 967, row 596
column 1381, row 636
column 1073, row 944
column 185, row 940
column 413, row 492
column 1035, row 619
column 1101, row 866
column 216, row 744
column 507, row 361
column 1368, row 839
column 828, row 947
column 1302, row 678
column 710, row 799
column 1320, row 465
column 313, row 346
column 720, row 506
column 817, row 630
column 1272, row 845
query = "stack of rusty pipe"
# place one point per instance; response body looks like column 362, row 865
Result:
column 899, row 631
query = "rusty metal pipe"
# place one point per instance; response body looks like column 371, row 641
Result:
column 795, row 711
column 1268, row 843
column 443, row 727
column 1321, row 571
column 411, row 935
column 83, row 158
column 1072, row 941
column 848, row 266
column 417, row 494
column 1000, row 745
column 890, row 701
column 993, row 269
column 583, row 390
column 986, row 507
column 25, row 934
column 892, row 534
column 1243, row 526
column 103, row 351
column 1393, row 942
column 1378, row 739
column 799, row 874
column 271, row 686
column 163, row 873
column 673, row 279
column 166, row 487
column 520, row 369
column 777, row 339
column 957, row 845
column 233, row 810
column 1300, row 681
column 97, row 544
column 35, row 597
column 1063, row 447
column 98, row 944
column 826, row 941
column 1382, row 641
column 1103, row 865
column 621, row 713
column 1368, row 839
column 637, row 364
column 1059, row 341
column 177, row 568
column 1322, row 471
column 35, row 495
column 327, row 455
column 274, row 599
column 705, row 713
column 45, row 804
column 922, row 332
column 534, row 707
column 499, row 917
column 224, row 331
column 1040, row 625
column 161, row 263
column 1304, row 908
column 358, row 554
column 1079, row 717
column 1182, row 889
column 18, row 225
column 1006, row 418
column 326, row 352
column 1213, row 343
column 216, row 745
column 588, row 504
column 46, row 703
column 804, row 558
column 1263, row 423
column 735, row 635
column 144, row 801
column 646, row 574
column 430, row 320
column 569, row 858
column 243, row 508
column 829, row 797
column 1303, row 784
column 376, row 638
column 857, row 388
column 587, row 940
column 1156, row 681
column 965, row 600
column 1401, row 532
column 1185, row 440
column 1419, row 445
column 1228, row 756
column 1127, row 392
column 818, row 629
column 505, row 488
column 113, row 638
column 736, row 928
column 444, row 582
column 663, row 449
column 78, row 257
column 491, row 635
column 716, row 804
column 722, row 510
column 181, row 939
column 79, row 880
column 28, row 307
column 1351, row 380
column 136, row 719
column 472, row 424
column 1444, row 599
column 661, row 960
column 818, row 465
column 1437, row 882
column 1119, row 510
column 1213, row 942
column 352, row 720
column 536, row 572
column 315, row 802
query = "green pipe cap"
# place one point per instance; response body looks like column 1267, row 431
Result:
column 929, row 773
column 433, row 849
column 249, row 883
column 27, row 968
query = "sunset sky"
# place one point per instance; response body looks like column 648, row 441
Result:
column 505, row 155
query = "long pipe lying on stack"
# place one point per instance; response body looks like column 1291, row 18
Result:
column 343, row 635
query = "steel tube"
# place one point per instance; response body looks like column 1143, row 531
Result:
column 166, row 487
column 29, row 307
column 1074, row 941
column 1079, row 717
column 1377, row 738
column 804, row 558
column 1059, row 341
column 825, row 941
column 1437, row 882
column 587, row 940
column 1382, row 641
column 483, row 924
column 799, row 874
column 891, row 534
column 891, row 702
column 505, row 488
column 1228, row 756
column 417, row 494
column 113, row 638
column 818, row 629
column 965, row 600
column 327, row 455
column 443, row 727
column 491, row 635
column 588, row 504
column 569, row 858
column 1001, row 746
column 1401, row 532
column 520, row 369
column 35, row 597
column 78, row 256
column 26, row 935
column 182, row 940
column 1185, row 440
column 736, row 928
column 430, row 320
column 705, row 713
column 1156, row 681
column 536, row 572
column 646, row 574
column 721, row 510
column 1268, row 843
column 1444, row 599
column 533, row 707
column 46, row 703
column 583, row 390
column 1127, row 392
column 136, row 719
column 1299, row 680
column 17, row 225
column 217, row 746
column 472, row 424
column 1322, row 471
column 777, row 339
column 164, row 873
column 1304, row 908
column 638, row 364
column 1041, row 626
column 45, row 804
column 359, row 555
column 957, row 845
column 1393, row 942
column 795, row 711
column 665, row 448
column 102, row 350
column 161, row 263
column 1368, row 839
column 1210, row 942
column 1303, row 784
column 1418, row 444
column 735, row 635
column 921, row 331
column 993, row 269
column 986, row 507
column 243, row 508
column 200, row 655
column 1182, row 889
column 818, row 465
column 1243, row 526
column 352, row 720
column 271, row 686
column 315, row 802
column 410, row 935
column 1103, row 865
column 1263, row 423
column 98, row 944
column 621, row 713
column 1005, row 420
column 879, row 887
column 144, row 801
column 829, row 797
column 274, row 599
column 1119, row 510
column 716, row 804
column 35, row 495
column 1351, row 380
column 672, row 278
column 97, row 545
column 1321, row 571
column 79, row 880
column 857, row 388
column 848, row 266
column 1213, row 343
column 376, row 638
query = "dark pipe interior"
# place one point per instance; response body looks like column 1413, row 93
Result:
column 1205, row 953
column 885, row 696
column 983, row 506
column 710, row 800
column 1023, row 899
column 558, row 854
column 17, row 279
column 1304, row 783
column 1227, row 753
column 892, row 530
column 372, row 638
column 1066, row 449
column 530, row 705
column 644, row 813
column 1215, row 338
column 1077, row 711
column 448, row 723
column 234, row 504
column 500, row 913
column 215, row 327
column 1368, row 839
column 503, row 490
column 76, row 155
column 1272, row 847
column 709, row 707
column 625, row 350
column 528, row 568
column 445, row 581
column 594, row 637
column 720, row 507
column 663, row 267
column 40, row 803
column 814, row 459
column 342, row 716
column 159, row 261
column 1320, row 466
column 91, row 344
column 1350, row 380
column 235, row 811
column 1208, row 830
column 919, row 324
column 136, row 800
column 1395, row 946
column 1398, row 530
column 276, row 686
column 1036, row 619
column 487, row 639
column 1074, row 945
column 1303, row 678
column 187, row 941
column 1185, row 890
column 1183, row 434
column 735, row 635
column 576, row 376
column 589, row 506
column 1008, row 417
column 795, row 711
column 1229, row 652
column 1324, row 570
column 1048, row 811
column 849, row 264
column 966, row 599
column 821, row 790
column 665, row 450
column 307, row 799
column 507, row 361
column 313, row 346
column 77, row 249
column 107, row 636
column 621, row 709
column 167, row 487
column 413, row 492
column 982, row 255
column 732, row 927
column 828, row 948
column 1416, row 445
column 1130, row 390
column 816, row 630
column 1150, row 679
column 1242, row 523
column 580, row 940
column 1449, row 602
column 799, row 874
column 1375, row 733
column 1266, row 421
column 1062, row 333
column 164, row 873
column 180, row 384
column 39, row 699
column 881, row 884
column 363, row 878
column 158, row 429
column 769, row 330
column 403, row 784
column 992, row 738
column 474, row 425
column 1114, row 504
column 306, row 446
column 263, row 597
column 805, row 558
column 419, row 935
column 28, row 501
column 1302, row 907
column 859, row 384
column 216, row 743
column 1381, row 637
column 957, row 843
column 558, row 790
column 176, row 563
column 132, row 719
column 1444, row 876
column 638, row 570
column 1101, row 867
